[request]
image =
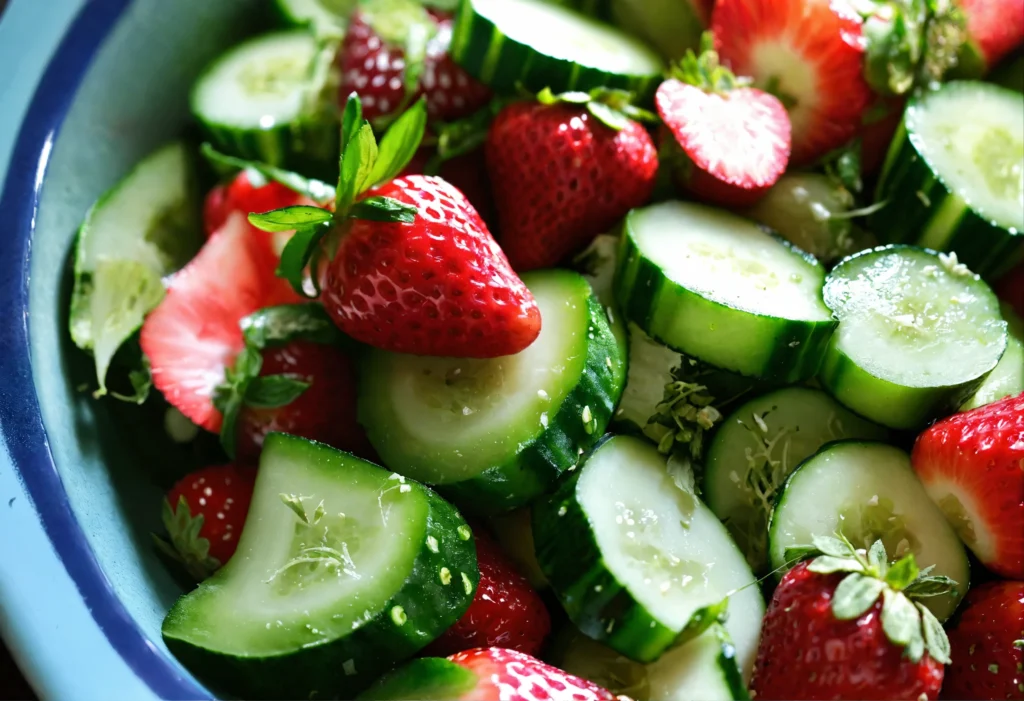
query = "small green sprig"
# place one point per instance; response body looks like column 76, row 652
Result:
column 364, row 165
column 704, row 69
column 906, row 621
column 613, row 108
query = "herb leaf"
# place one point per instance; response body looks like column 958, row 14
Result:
column 296, row 255
column 357, row 163
column 289, row 322
column 290, row 218
column 383, row 209
column 274, row 391
column 316, row 190
column 400, row 143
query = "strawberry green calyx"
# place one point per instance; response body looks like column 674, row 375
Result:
column 613, row 108
column 910, row 43
column 187, row 546
column 243, row 385
column 906, row 621
column 705, row 71
column 364, row 165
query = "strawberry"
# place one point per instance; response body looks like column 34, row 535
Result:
column 295, row 376
column 406, row 265
column 505, row 612
column 810, row 53
column 995, row 28
column 485, row 674
column 194, row 334
column 204, row 514
column 565, row 169
column 729, row 144
column 847, row 625
column 1011, row 289
column 970, row 465
column 375, row 61
column 246, row 192
column 987, row 640
column 876, row 136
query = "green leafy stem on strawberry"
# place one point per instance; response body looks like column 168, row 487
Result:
column 902, row 585
column 243, row 385
column 364, row 164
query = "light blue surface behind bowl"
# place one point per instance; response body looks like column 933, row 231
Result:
column 133, row 97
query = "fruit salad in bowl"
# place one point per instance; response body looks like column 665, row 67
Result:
column 576, row 349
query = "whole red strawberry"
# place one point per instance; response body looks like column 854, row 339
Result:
column 325, row 412
column 994, row 28
column 405, row 264
column 204, row 514
column 987, row 642
column 374, row 61
column 847, row 626
column 485, row 674
column 506, row 611
column 970, row 465
column 561, row 176
column 727, row 144
column 810, row 53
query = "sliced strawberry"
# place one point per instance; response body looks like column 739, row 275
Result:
column 485, row 674
column 995, row 28
column 437, row 286
column 204, row 514
column 971, row 466
column 987, row 642
column 877, row 135
column 735, row 144
column 560, row 177
column 373, row 62
column 242, row 195
column 326, row 412
column 194, row 334
column 505, row 612
column 810, row 53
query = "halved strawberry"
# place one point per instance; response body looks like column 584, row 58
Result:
column 994, row 29
column 810, row 53
column 374, row 59
column 194, row 334
column 204, row 514
column 728, row 144
column 506, row 611
column 972, row 465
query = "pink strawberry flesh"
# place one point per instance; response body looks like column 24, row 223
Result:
column 738, row 142
column 194, row 334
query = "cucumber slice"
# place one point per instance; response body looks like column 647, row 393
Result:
column 812, row 211
column 597, row 264
column 703, row 668
column 869, row 491
column 342, row 570
column 144, row 228
column 326, row 17
column 715, row 286
column 1008, row 377
column 671, row 26
column 632, row 555
column 537, row 44
column 956, row 184
column 259, row 101
column 759, row 446
column 918, row 334
column 494, row 434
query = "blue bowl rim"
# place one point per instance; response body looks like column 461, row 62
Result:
column 21, row 422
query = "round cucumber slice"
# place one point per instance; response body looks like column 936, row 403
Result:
column 868, row 491
column 257, row 102
column 757, row 448
column 326, row 17
column 538, row 44
column 496, row 433
column 342, row 570
column 718, row 287
column 954, row 182
column 918, row 333
column 632, row 555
